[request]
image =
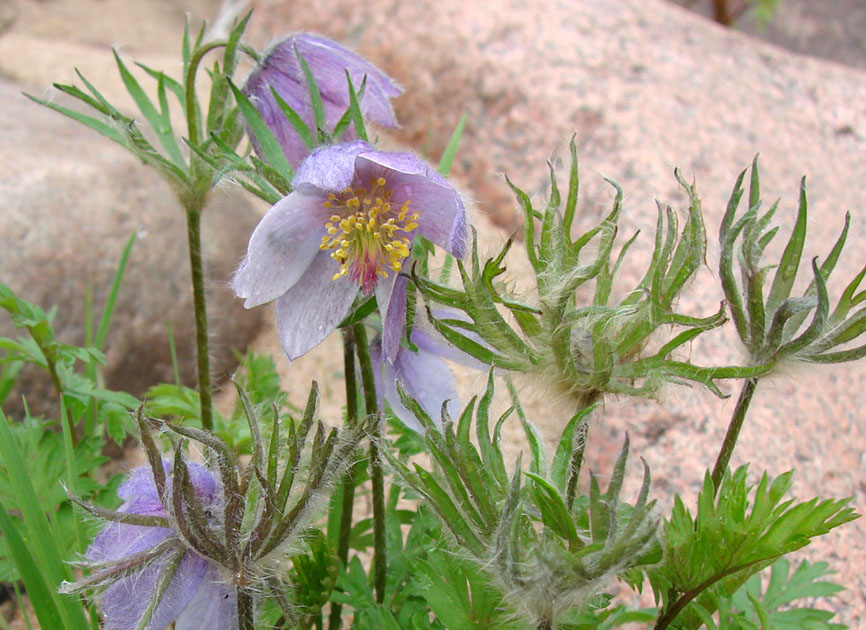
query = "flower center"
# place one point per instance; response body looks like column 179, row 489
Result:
column 368, row 234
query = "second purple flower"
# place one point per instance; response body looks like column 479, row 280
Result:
column 329, row 62
column 348, row 225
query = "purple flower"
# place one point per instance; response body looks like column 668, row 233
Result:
column 424, row 375
column 349, row 224
column 199, row 595
column 328, row 63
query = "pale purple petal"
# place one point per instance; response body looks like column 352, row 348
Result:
column 330, row 168
column 391, row 297
column 140, row 485
column 443, row 215
column 314, row 306
column 281, row 248
column 259, row 93
column 207, row 489
column 117, row 540
column 125, row 601
column 425, row 377
column 329, row 62
column 214, row 606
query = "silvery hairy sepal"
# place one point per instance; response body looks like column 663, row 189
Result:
column 546, row 548
column 570, row 332
column 349, row 225
column 182, row 547
column 773, row 325
column 282, row 74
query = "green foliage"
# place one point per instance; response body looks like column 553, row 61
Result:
column 544, row 548
column 312, row 579
column 593, row 349
column 751, row 607
column 735, row 533
column 764, row 10
column 770, row 322
column 33, row 540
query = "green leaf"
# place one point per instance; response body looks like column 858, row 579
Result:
column 44, row 545
column 562, row 458
column 554, row 513
column 315, row 96
column 271, row 148
column 42, row 597
column 110, row 302
column 450, row 153
column 160, row 122
column 99, row 126
column 295, row 120
column 783, row 281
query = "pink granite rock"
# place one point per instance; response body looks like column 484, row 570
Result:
column 646, row 87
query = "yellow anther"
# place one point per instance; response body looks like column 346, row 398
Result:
column 363, row 232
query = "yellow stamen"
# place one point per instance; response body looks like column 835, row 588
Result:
column 369, row 235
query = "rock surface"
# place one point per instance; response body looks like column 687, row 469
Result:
column 646, row 87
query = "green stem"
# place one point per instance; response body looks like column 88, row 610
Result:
column 677, row 607
column 335, row 619
column 193, row 227
column 734, row 427
column 380, row 559
column 58, row 387
column 246, row 614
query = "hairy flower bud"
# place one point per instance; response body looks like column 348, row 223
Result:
column 151, row 576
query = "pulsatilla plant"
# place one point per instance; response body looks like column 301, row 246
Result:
column 195, row 546
column 228, row 545
column 545, row 546
column 575, row 335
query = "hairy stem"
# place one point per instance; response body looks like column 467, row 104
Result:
column 380, row 559
column 335, row 619
column 193, row 228
column 733, row 433
column 246, row 612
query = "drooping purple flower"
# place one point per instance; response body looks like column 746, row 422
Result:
column 328, row 63
column 349, row 224
column 423, row 375
column 199, row 594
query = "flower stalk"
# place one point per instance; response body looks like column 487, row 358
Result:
column 193, row 230
column 345, row 535
column 733, row 433
column 380, row 559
